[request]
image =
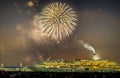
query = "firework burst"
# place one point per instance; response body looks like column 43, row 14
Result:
column 57, row 20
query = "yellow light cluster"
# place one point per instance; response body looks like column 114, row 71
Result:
column 30, row 4
column 80, row 64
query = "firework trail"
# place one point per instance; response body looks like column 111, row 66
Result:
column 57, row 20
column 87, row 46
column 90, row 48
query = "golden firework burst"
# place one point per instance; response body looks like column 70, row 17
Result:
column 57, row 20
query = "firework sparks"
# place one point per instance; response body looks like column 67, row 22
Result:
column 57, row 20
column 96, row 57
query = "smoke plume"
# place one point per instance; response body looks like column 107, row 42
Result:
column 87, row 46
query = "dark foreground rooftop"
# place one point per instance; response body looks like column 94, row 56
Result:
column 18, row 74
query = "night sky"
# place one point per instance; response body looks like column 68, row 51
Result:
column 98, row 24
